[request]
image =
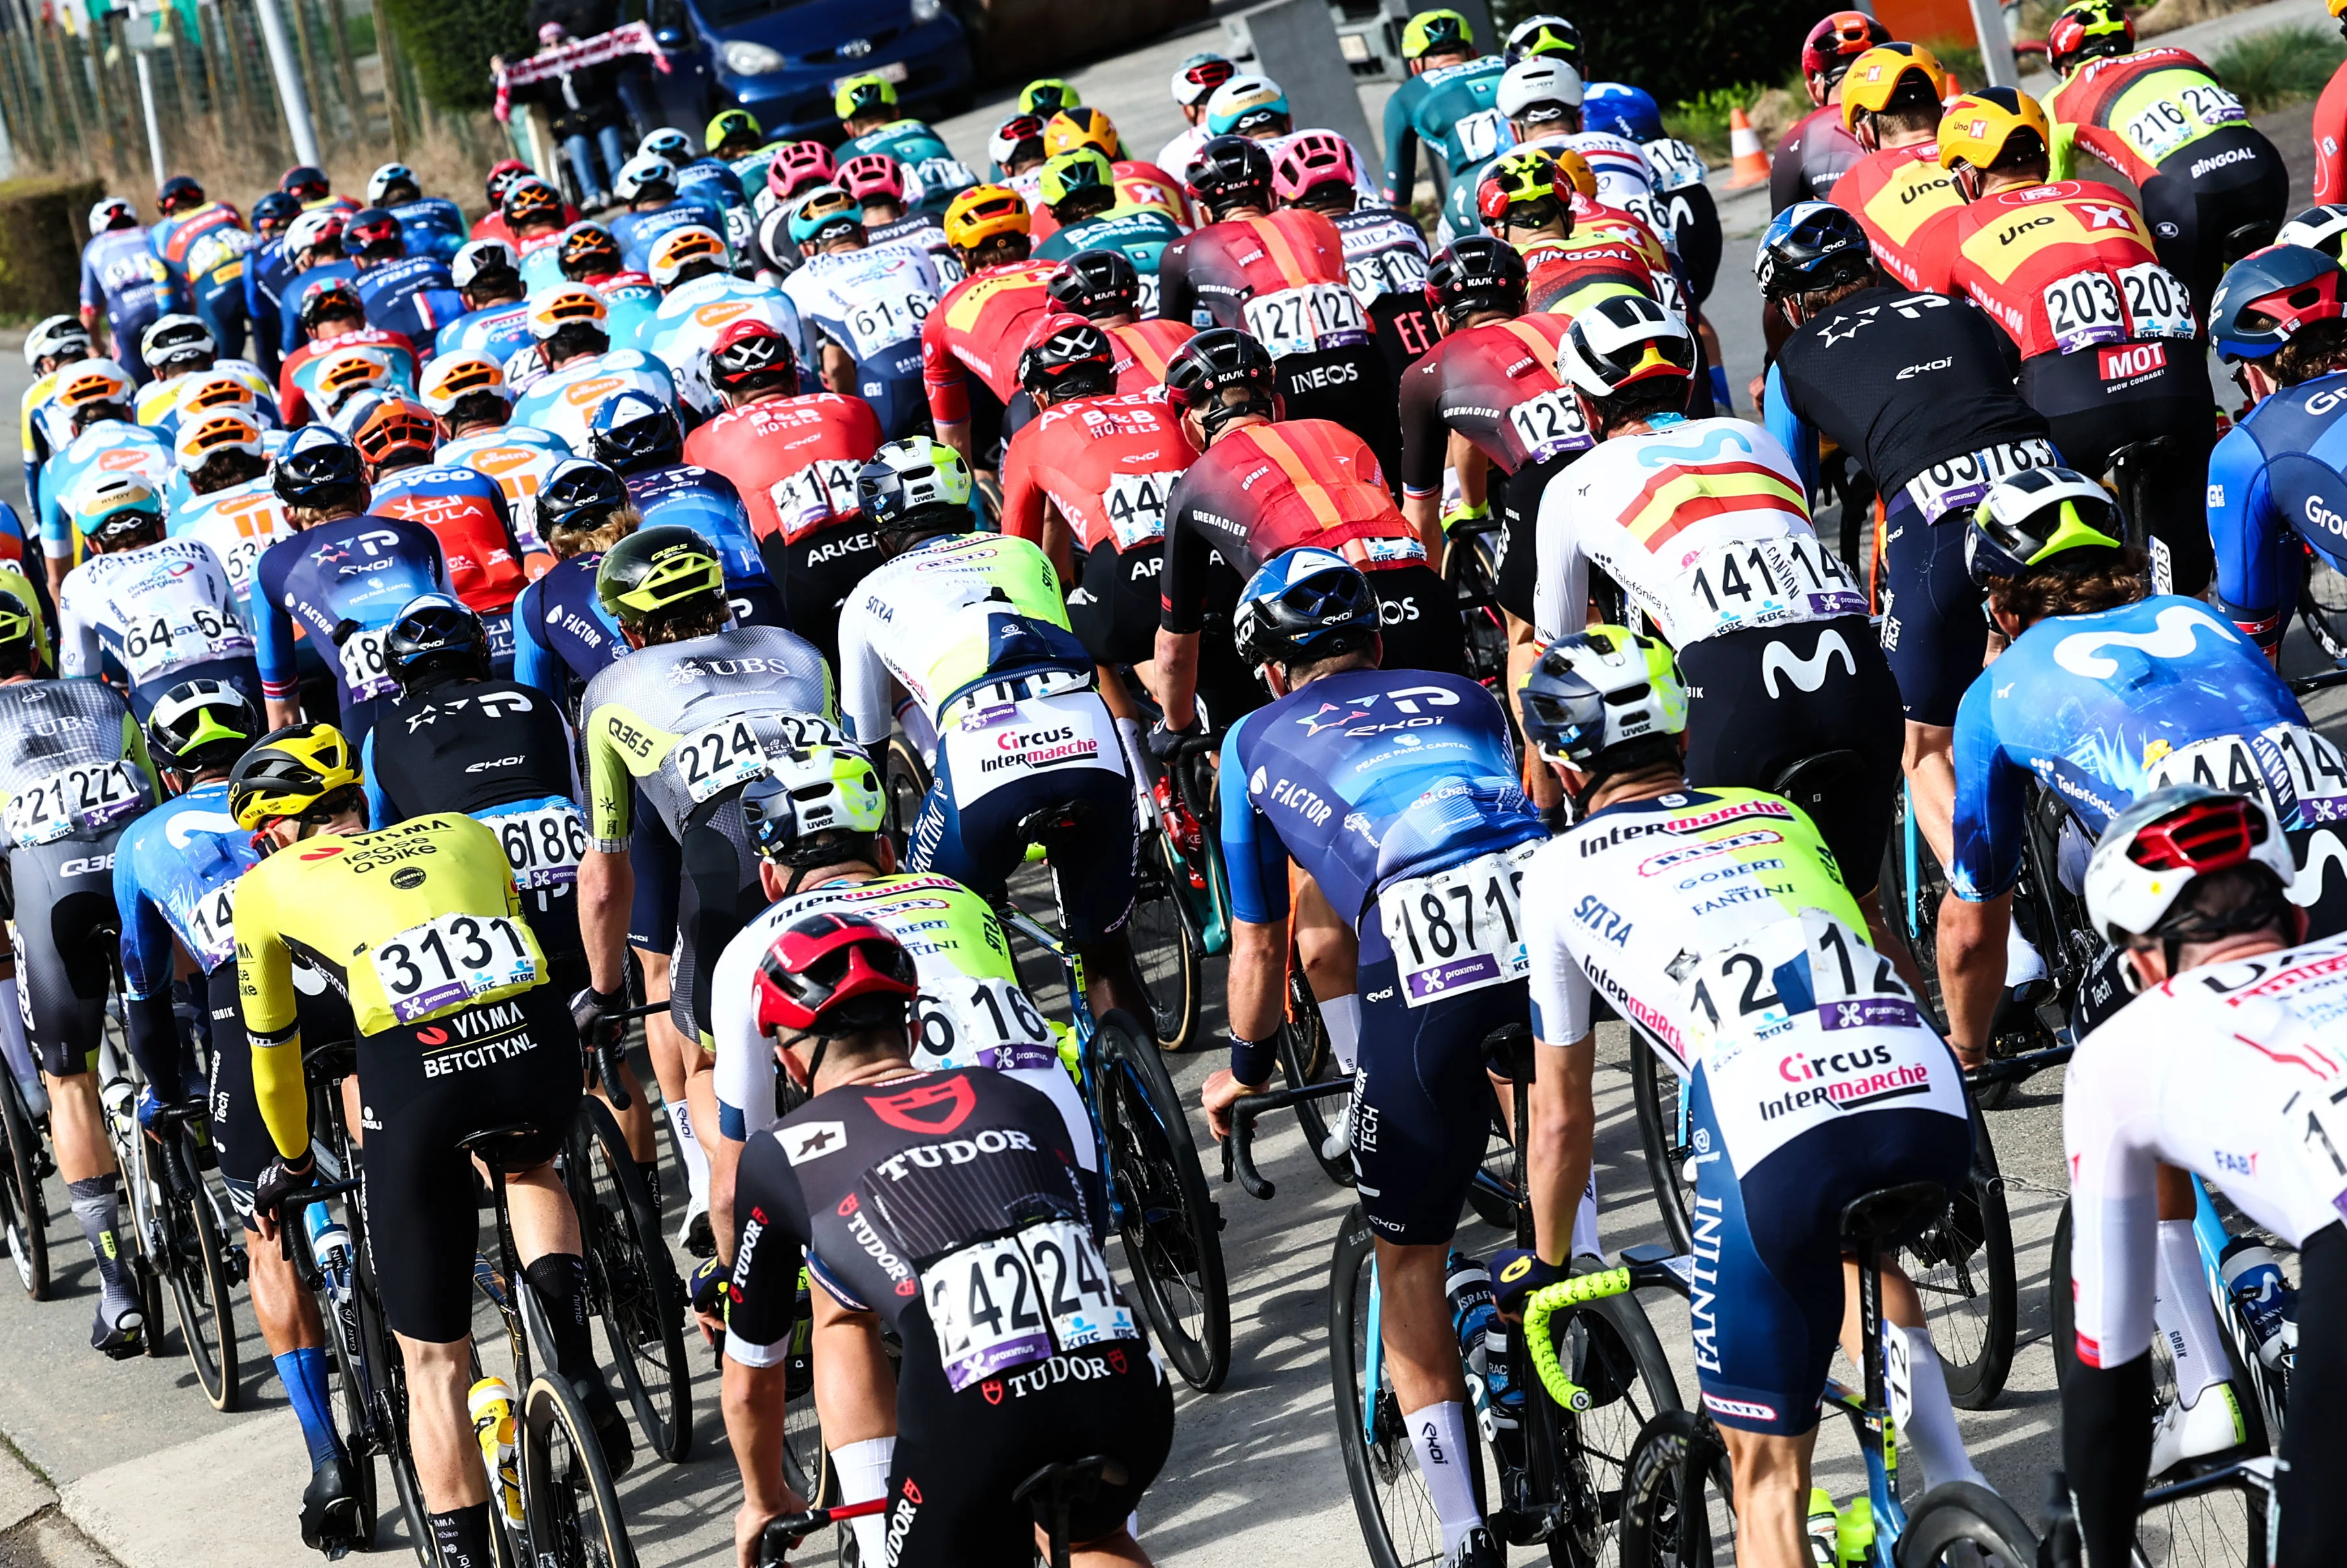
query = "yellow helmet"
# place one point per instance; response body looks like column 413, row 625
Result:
column 1081, row 168
column 1430, row 30
column 863, row 95
column 1518, row 178
column 1976, row 127
column 1081, row 127
column 983, row 211
column 1873, row 79
column 1049, row 95
column 290, row 773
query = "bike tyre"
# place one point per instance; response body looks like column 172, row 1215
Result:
column 1975, row 1353
column 558, row 1536
column 1609, row 1347
column 1161, row 924
column 199, row 1285
column 1304, row 1058
column 1657, row 1093
column 1963, row 1511
column 23, row 1204
column 1678, row 1455
column 631, row 1274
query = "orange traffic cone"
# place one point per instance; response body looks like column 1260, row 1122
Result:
column 1751, row 167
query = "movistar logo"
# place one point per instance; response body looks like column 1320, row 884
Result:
column 1809, row 673
column 2176, row 633
column 1663, row 453
column 182, row 829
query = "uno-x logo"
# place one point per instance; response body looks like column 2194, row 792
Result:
column 2175, row 634
column 1809, row 673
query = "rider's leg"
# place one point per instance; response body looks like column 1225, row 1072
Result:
column 1772, row 1496
column 855, row 1400
column 1105, row 1551
column 1332, row 956
column 654, row 859
column 1930, row 763
column 1930, row 1424
column 2183, row 1309
column 77, row 1126
column 1422, row 1358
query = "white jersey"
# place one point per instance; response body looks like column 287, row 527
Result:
column 1704, row 524
column 686, row 327
column 238, row 523
column 864, row 301
column 563, row 402
column 2237, row 1073
column 1176, row 156
column 152, row 611
column 518, row 458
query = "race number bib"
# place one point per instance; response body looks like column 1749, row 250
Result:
column 1146, row 301
column 2157, row 304
column 1459, row 929
column 1550, row 424
column 1136, row 505
column 716, row 759
column 1734, row 586
column 2163, row 126
column 84, row 799
column 1963, row 481
column 887, row 315
column 2287, row 768
column 1480, row 135
column 1021, row 1298
column 543, row 843
column 1302, row 319
column 211, row 927
column 180, row 634
column 452, row 958
column 2084, row 309
column 1676, row 165
column 366, row 667
column 817, row 493
column 981, row 1023
column 1400, row 270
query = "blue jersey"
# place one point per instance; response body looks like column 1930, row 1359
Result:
column 711, row 182
column 2101, row 708
column 113, row 446
column 1362, row 778
column 410, row 295
column 637, row 232
column 2281, row 470
column 122, row 275
column 175, row 872
column 364, row 570
column 500, row 332
column 707, row 503
column 288, row 300
column 562, row 632
column 266, row 272
column 433, row 226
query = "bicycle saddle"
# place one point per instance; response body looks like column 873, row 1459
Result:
column 1815, row 782
column 1508, row 1052
column 1050, row 825
column 1890, row 1214
column 492, row 1145
column 1070, row 1481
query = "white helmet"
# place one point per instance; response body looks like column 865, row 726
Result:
column 641, row 171
column 451, row 378
column 480, row 256
column 1620, row 342
column 2160, row 846
column 109, row 212
column 1598, row 688
column 54, row 335
column 1539, row 89
column 668, row 143
column 383, row 178
column 304, row 233
column 911, row 475
column 812, row 788
column 2318, row 229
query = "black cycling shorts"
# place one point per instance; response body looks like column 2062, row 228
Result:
column 242, row 674
column 428, row 1086
column 1356, row 388
column 816, row 574
column 960, row 1456
column 717, row 894
column 239, row 1136
column 553, row 916
column 758, row 603
column 1761, row 700
column 1935, row 632
column 652, row 858
column 2228, row 180
column 1515, row 500
column 64, row 929
column 1114, row 610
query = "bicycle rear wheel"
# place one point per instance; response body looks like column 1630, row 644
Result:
column 1678, row 1504
column 199, row 1276
column 1911, row 902
column 1960, row 1512
column 906, row 779
column 1171, row 1226
column 631, row 1281
column 353, row 1422
column 1661, row 1096
column 24, row 1206
column 1472, row 568
column 568, row 1503
column 802, row 1451
column 1168, row 954
column 1962, row 1268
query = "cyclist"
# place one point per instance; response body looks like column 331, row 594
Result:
column 1090, row 213
column 535, row 216
column 1104, row 288
column 563, row 637
column 568, row 323
column 341, row 579
column 2069, row 273
column 231, row 504
column 977, row 1415
column 94, row 398
column 442, row 1057
column 76, row 771
column 313, row 245
column 44, row 428
column 977, row 327
column 647, row 185
column 122, row 276
column 1446, row 101
column 332, row 319
column 863, row 305
column 1540, row 201
column 266, row 272
column 501, row 177
column 1385, row 255
column 735, row 138
column 639, row 439
column 877, row 181
column 866, row 108
column 1016, row 151
column 146, row 612
column 434, row 225
column 203, row 244
column 2224, row 1065
column 1679, row 191
column 1195, row 81
column 496, row 310
column 1140, row 186
column 1890, row 101
column 1818, row 147
column 179, row 351
column 1280, row 276
column 466, row 393
column 701, row 301
column 412, row 294
column 464, row 508
column 2214, row 189
column 1918, row 392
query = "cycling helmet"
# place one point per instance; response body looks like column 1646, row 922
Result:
column 1544, row 35
column 2162, row 844
column 1214, row 362
column 93, row 384
column 799, row 165
column 19, row 628
column 1598, row 690
column 915, row 486
column 728, row 125
column 200, row 440
column 587, row 250
column 1875, row 77
column 682, row 254
column 1019, row 139
column 215, row 389
column 567, row 305
column 1067, row 356
column 1315, row 159
column 374, row 234
column 1195, row 78
column 1523, row 179
column 388, row 179
column 1808, row 246
column 1978, row 128
column 807, row 795
column 113, row 212
column 2319, row 228
column 105, row 506
column 346, row 373
column 451, row 378
column 317, row 469
column 1081, row 126
column 313, row 233
column 176, row 340
column 394, row 425
column 829, row 975
column 1539, row 91
column 1301, row 607
column 2029, row 517
column 655, row 572
column 1047, row 95
column 577, row 495
column 823, row 213
column 669, row 144
column 642, row 175
column 1231, row 172
column 292, row 773
column 1076, row 172
column 1832, row 45
column 1476, row 273
column 632, row 433
column 273, row 212
column 1622, row 342
column 306, row 183
column 530, row 202
column 180, row 191
column 1248, row 104
column 984, row 211
column 1617, row 109
column 329, row 297
column 434, row 634
column 874, row 176
column 500, row 180
column 55, row 337
column 749, row 355
column 200, row 724
column 485, row 263
column 2084, row 30
column 1096, row 283
column 1436, row 33
column 866, row 94
column 2268, row 295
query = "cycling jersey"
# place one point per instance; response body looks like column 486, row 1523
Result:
column 159, row 401
column 518, row 458
column 708, row 503
column 1497, row 385
column 1281, row 278
column 793, row 459
column 1893, row 192
column 1568, row 277
column 1107, row 464
column 1138, row 234
column 2330, row 140
column 871, row 304
column 2276, row 474
column 979, row 328
column 932, row 173
column 410, row 295
column 239, row 523
column 922, row 229
column 122, row 275
column 267, row 270
column 152, row 618
column 1144, row 349
column 2137, row 110
column 1452, row 109
column 297, row 379
column 1812, row 155
column 632, row 300
column 563, row 402
column 465, row 510
column 686, row 326
column 563, row 637
column 109, row 447
column 638, row 231
column 290, row 331
column 345, row 584
column 44, row 428
column 1685, row 201
column 1385, row 262
column 498, row 331
column 175, row 872
column 206, row 252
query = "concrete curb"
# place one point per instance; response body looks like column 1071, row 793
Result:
column 34, row 1532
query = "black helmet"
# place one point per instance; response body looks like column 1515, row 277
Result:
column 436, row 635
column 578, row 497
column 632, row 431
column 318, row 468
column 1231, row 170
column 180, row 191
column 200, row 724
column 1067, row 358
column 1096, row 283
column 1812, row 245
column 655, row 573
column 1304, row 605
column 1214, row 361
column 587, row 250
column 276, row 208
column 1476, row 273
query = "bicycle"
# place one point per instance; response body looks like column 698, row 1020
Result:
column 2256, row 1479
column 1470, row 565
column 25, row 1166
column 1055, row 1490
column 1679, row 1461
column 118, row 1109
column 190, row 1222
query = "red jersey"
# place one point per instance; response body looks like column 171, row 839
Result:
column 2331, row 139
column 492, row 225
column 1892, row 193
column 1144, row 349
column 466, row 511
column 1108, row 464
column 1497, row 385
column 1568, row 276
column 2061, row 268
column 794, row 459
column 981, row 328
column 1281, row 278
column 294, row 377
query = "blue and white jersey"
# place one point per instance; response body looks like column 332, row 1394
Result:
column 2281, row 471
column 563, row 402
column 364, row 570
column 122, row 275
column 412, row 296
column 147, row 616
column 239, row 523
column 871, row 304
column 110, row 445
column 638, row 231
column 499, row 331
column 686, row 327
column 707, row 503
column 175, row 872
column 562, row 633
column 433, row 226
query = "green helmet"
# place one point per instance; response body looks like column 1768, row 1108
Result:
column 20, row 624
column 1079, row 168
column 654, row 573
column 1431, row 30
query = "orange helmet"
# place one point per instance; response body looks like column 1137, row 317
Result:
column 394, row 425
column 1082, row 126
column 1874, row 78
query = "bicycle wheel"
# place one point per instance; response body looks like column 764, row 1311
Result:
column 1962, row 1268
column 389, row 1375
column 1610, row 1349
column 1473, row 570
column 1399, row 1523
column 1911, row 903
column 1304, row 1058
column 2322, row 606
column 354, row 1421
column 24, row 1206
column 1168, row 955
column 803, row 1450
column 1957, row 1512
column 631, row 1281
column 1172, row 1228
column 905, row 778
column 143, row 1212
column 569, row 1506
column 199, row 1275
column 1677, row 1504
column 1661, row 1098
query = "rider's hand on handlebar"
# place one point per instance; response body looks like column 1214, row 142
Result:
column 1164, row 742
column 278, row 1180
column 750, row 1523
column 591, row 1011
column 1222, row 1092
column 1516, row 1273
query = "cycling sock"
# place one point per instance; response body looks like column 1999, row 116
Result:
column 689, row 1150
column 2186, row 1317
column 1438, row 1433
column 863, row 1472
column 1584, row 1219
column 559, row 1280
column 97, row 1204
column 464, row 1536
column 304, row 1373
column 1930, row 1425
column 1342, row 1015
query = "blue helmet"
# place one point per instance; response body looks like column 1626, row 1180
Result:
column 1306, row 604
column 2268, row 295
column 632, row 431
column 1810, row 245
column 1620, row 110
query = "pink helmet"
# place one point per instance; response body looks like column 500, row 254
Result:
column 799, row 166
column 874, row 176
column 1315, row 158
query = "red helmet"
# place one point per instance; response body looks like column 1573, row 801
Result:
column 503, row 174
column 798, row 166
column 1834, row 43
column 830, row 974
column 876, row 174
column 749, row 351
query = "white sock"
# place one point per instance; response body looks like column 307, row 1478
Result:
column 688, row 1149
column 1438, row 1433
column 1930, row 1429
column 863, row 1470
column 1342, row 1015
column 2023, row 961
column 2185, row 1316
column 1585, row 1221
column 920, row 731
column 1137, row 768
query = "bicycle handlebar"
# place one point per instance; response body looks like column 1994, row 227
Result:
column 1238, row 1149
column 775, row 1541
column 606, row 1047
column 1583, row 1288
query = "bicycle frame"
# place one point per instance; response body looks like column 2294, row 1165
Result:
column 1083, row 1027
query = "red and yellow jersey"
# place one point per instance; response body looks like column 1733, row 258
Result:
column 1144, row 349
column 2137, row 111
column 2061, row 268
column 2331, row 139
column 1892, row 194
column 794, row 459
column 1497, row 385
column 1140, row 188
column 1570, row 275
column 980, row 329
column 1596, row 227
column 1108, row 464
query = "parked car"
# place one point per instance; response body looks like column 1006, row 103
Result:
column 780, row 59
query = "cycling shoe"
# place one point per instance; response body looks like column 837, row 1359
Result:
column 2212, row 1426
column 696, row 1236
column 126, row 1337
column 611, row 1426
column 1477, row 1552
column 329, row 1509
